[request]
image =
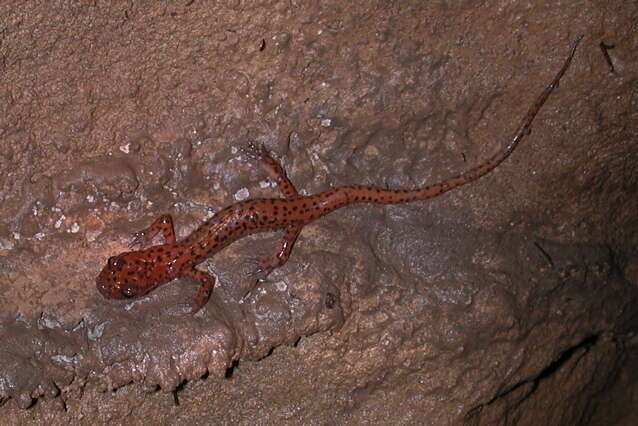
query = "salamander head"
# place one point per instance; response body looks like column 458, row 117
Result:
column 125, row 276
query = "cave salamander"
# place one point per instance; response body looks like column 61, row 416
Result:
column 135, row 273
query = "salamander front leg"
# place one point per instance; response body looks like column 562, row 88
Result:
column 205, row 290
column 163, row 223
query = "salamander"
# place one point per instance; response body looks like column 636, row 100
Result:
column 135, row 273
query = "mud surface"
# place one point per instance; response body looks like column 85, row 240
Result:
column 513, row 300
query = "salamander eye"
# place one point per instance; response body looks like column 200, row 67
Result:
column 128, row 291
column 114, row 262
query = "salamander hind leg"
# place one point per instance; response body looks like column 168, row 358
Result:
column 267, row 263
column 274, row 169
column 163, row 223
column 207, row 283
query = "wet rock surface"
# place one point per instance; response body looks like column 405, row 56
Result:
column 510, row 301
